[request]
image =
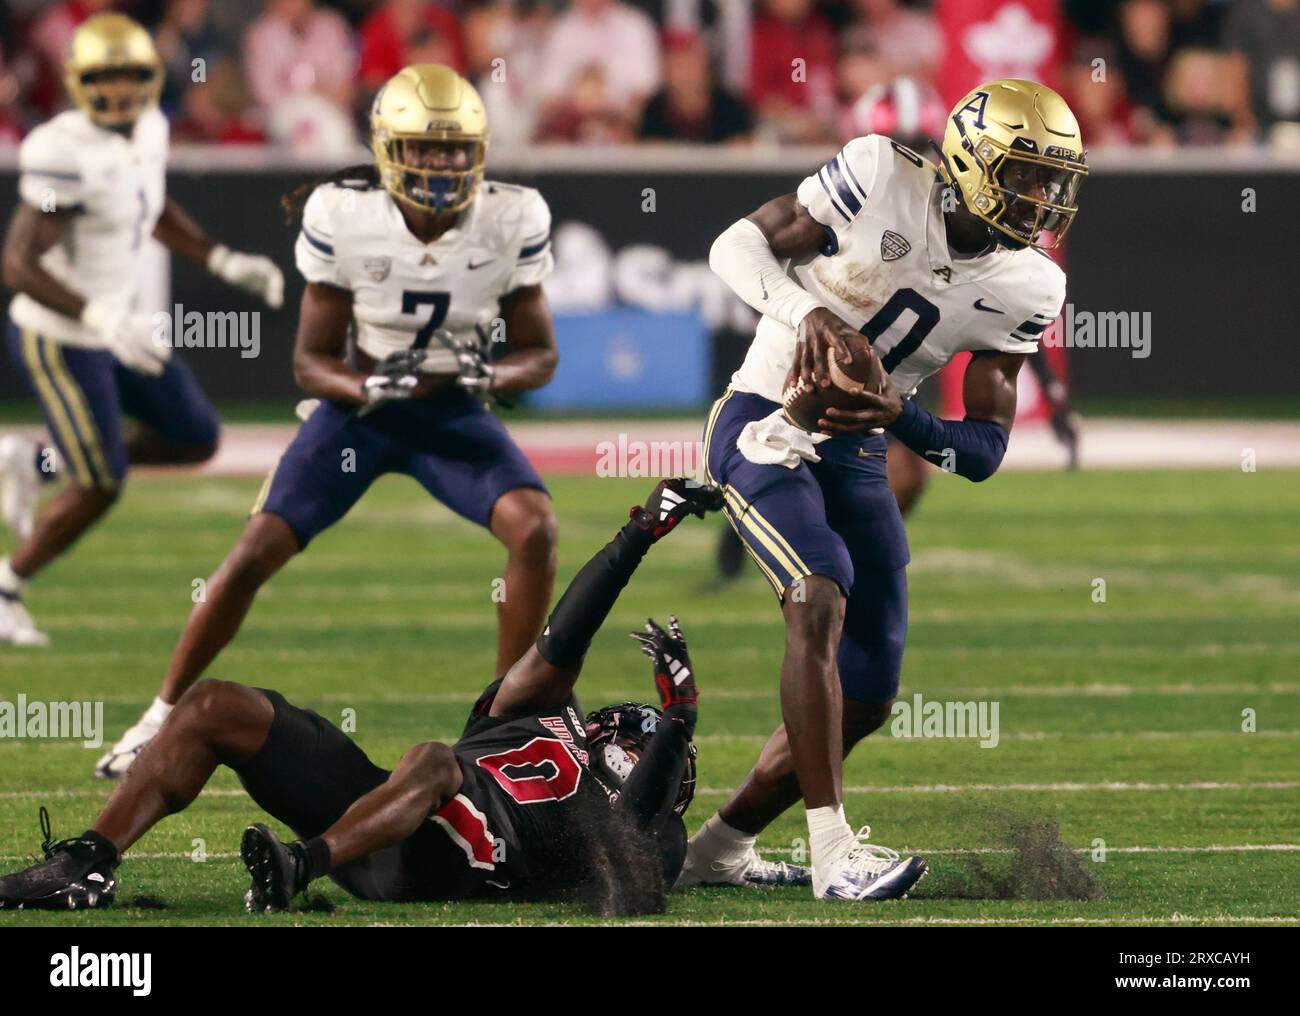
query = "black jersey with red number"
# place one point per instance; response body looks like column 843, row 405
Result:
column 527, row 799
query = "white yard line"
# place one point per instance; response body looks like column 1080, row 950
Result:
column 1214, row 848
column 1043, row 735
column 925, row 788
column 724, row 738
column 1117, row 786
column 1095, row 690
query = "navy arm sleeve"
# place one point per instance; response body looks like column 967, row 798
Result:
column 976, row 446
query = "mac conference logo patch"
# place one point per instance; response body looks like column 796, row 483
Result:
column 893, row 246
column 378, row 268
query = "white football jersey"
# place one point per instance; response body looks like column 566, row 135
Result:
column 116, row 186
column 403, row 290
column 887, row 270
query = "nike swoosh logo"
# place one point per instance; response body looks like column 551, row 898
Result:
column 979, row 305
column 864, row 454
column 472, row 266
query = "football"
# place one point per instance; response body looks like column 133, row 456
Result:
column 805, row 403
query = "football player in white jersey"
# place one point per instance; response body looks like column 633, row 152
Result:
column 430, row 263
column 925, row 263
column 92, row 188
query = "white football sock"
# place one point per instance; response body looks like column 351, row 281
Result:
column 717, row 841
column 829, row 836
column 157, row 712
column 10, row 581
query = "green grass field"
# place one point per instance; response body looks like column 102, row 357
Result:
column 1120, row 722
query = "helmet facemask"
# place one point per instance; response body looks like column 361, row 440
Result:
column 116, row 97
column 617, row 739
column 1025, row 194
column 436, row 171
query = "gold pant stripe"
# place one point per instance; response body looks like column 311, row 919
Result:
column 763, row 565
column 744, row 513
column 82, row 419
column 54, row 406
column 708, row 431
column 802, row 568
column 265, row 492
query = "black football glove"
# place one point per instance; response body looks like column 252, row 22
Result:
column 674, row 675
column 671, row 501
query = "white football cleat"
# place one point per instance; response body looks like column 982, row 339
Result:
column 747, row 869
column 20, row 484
column 119, row 758
column 868, row 871
column 17, row 626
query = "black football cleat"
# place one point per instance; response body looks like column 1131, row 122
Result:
column 671, row 501
column 77, row 874
column 276, row 869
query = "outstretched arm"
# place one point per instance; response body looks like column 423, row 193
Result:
column 179, row 233
column 545, row 676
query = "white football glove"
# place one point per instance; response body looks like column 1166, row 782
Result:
column 380, row 388
column 474, row 371
column 394, row 378
column 476, row 374
column 129, row 337
column 253, row 272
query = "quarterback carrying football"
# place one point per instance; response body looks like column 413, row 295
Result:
column 924, row 262
column 530, row 802
column 92, row 188
column 432, row 264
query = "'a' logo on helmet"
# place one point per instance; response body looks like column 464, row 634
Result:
column 977, row 103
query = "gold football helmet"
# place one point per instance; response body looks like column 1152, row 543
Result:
column 112, row 71
column 429, row 133
column 1013, row 151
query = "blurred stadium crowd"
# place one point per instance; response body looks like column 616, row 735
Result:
column 300, row 73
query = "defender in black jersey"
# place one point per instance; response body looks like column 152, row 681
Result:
column 532, row 801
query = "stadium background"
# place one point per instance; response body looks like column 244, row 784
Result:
column 1191, row 111
column 1122, row 722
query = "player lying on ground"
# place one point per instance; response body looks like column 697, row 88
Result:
column 402, row 249
column 92, row 188
column 924, row 264
column 519, row 805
